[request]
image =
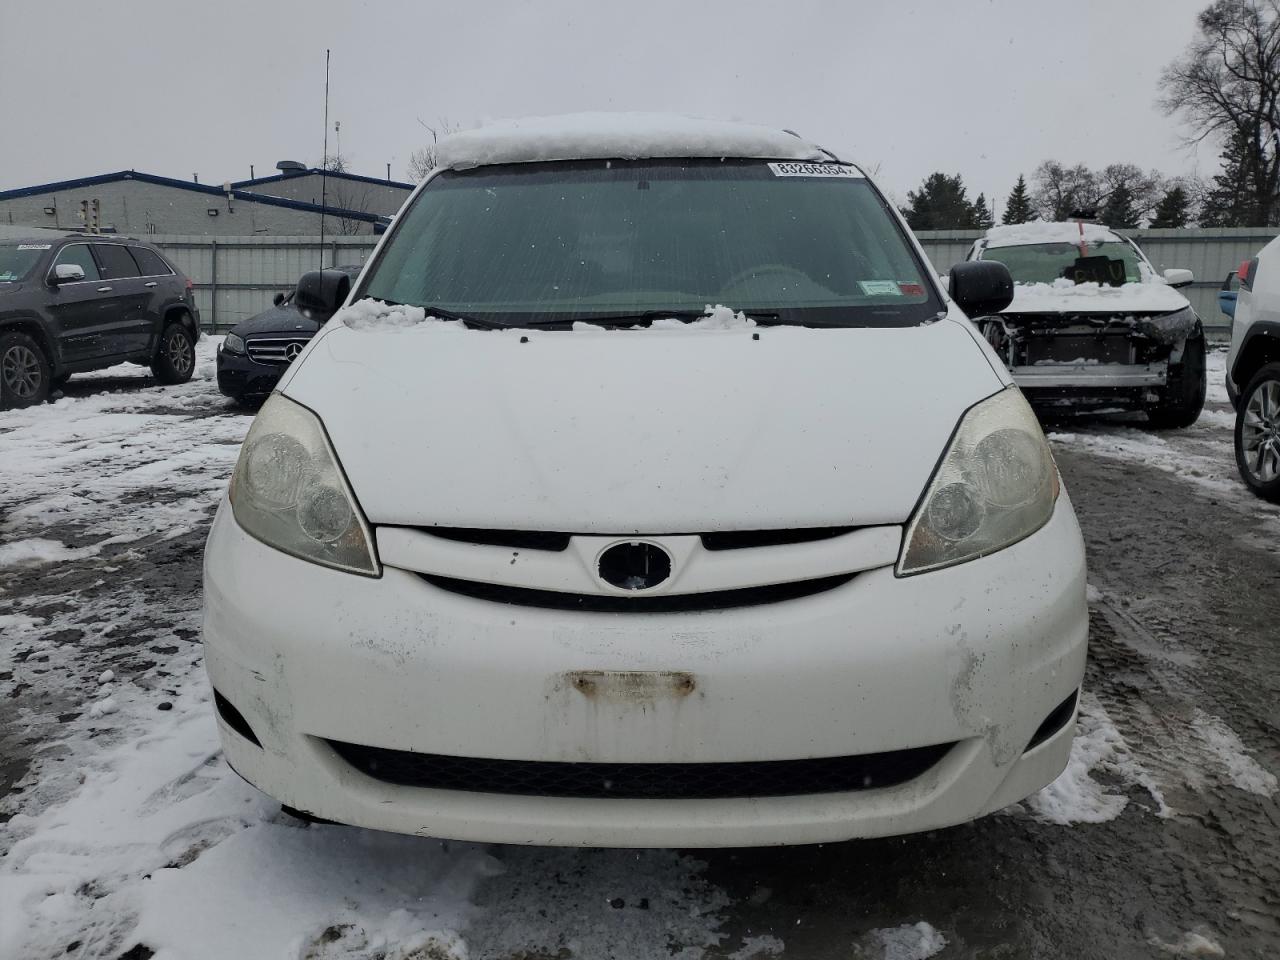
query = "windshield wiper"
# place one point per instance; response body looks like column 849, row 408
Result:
column 648, row 316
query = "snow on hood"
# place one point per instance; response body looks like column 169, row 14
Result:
column 587, row 136
column 1062, row 296
column 1044, row 231
column 615, row 431
column 374, row 315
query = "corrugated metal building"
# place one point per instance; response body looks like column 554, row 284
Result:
column 142, row 203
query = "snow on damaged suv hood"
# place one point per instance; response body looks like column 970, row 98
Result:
column 1065, row 296
column 649, row 431
column 622, row 136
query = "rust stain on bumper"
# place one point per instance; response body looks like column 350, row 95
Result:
column 632, row 686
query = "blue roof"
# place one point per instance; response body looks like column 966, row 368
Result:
column 247, row 196
column 316, row 171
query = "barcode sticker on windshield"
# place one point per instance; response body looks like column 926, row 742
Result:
column 814, row 170
column 35, row 246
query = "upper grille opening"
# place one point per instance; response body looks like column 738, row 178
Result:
column 745, row 539
column 515, row 539
column 720, row 540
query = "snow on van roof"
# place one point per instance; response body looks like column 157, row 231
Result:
column 1044, row 231
column 623, row 136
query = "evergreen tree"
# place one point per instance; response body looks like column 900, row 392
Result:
column 982, row 212
column 1018, row 209
column 940, row 204
column 1118, row 212
column 1230, row 201
column 1173, row 210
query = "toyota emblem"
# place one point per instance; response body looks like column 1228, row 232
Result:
column 291, row 352
column 634, row 565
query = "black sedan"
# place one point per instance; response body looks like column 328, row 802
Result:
column 257, row 351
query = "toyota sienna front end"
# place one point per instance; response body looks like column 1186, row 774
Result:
column 648, row 491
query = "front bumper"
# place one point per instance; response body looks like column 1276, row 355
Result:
column 238, row 376
column 979, row 654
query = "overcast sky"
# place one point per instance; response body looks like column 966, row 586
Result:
column 985, row 88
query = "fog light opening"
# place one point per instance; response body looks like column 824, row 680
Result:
column 234, row 719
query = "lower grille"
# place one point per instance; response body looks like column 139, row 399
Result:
column 275, row 349
column 642, row 781
column 667, row 603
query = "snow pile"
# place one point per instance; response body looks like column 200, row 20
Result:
column 911, row 941
column 759, row 947
column 1045, row 231
column 375, row 315
column 627, row 136
column 1075, row 797
column 1225, row 746
column 1190, row 944
column 718, row 317
column 40, row 550
column 1066, row 295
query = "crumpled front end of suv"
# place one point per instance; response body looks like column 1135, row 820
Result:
column 1070, row 357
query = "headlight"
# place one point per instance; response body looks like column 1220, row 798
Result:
column 996, row 484
column 233, row 344
column 289, row 492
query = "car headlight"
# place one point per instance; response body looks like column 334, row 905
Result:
column 233, row 343
column 289, row 491
column 996, row 484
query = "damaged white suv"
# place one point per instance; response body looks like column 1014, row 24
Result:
column 533, row 545
column 1093, row 325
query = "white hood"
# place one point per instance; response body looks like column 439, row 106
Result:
column 650, row 431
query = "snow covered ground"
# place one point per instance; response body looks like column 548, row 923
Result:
column 127, row 835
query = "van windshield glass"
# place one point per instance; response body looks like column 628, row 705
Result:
column 556, row 242
column 17, row 259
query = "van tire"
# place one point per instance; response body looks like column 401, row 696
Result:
column 25, row 374
column 175, row 360
column 1183, row 399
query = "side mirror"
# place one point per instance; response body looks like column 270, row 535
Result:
column 321, row 292
column 278, row 299
column 67, row 273
column 981, row 287
column 1179, row 278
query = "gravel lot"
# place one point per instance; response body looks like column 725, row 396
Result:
column 122, row 833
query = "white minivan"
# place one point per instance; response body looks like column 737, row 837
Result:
column 648, row 491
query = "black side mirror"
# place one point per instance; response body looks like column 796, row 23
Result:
column 981, row 287
column 278, row 299
column 321, row 292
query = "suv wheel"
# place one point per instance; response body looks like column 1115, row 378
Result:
column 176, row 359
column 24, row 371
column 1258, row 433
column 1183, row 398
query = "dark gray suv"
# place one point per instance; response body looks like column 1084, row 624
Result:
column 76, row 303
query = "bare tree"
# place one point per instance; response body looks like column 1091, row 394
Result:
column 349, row 197
column 1227, row 85
column 1144, row 190
column 1059, row 190
column 336, row 163
column 423, row 160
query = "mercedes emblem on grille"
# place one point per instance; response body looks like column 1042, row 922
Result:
column 291, row 352
column 634, row 565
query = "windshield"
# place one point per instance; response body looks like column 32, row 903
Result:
column 557, row 242
column 1046, row 262
column 17, row 259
